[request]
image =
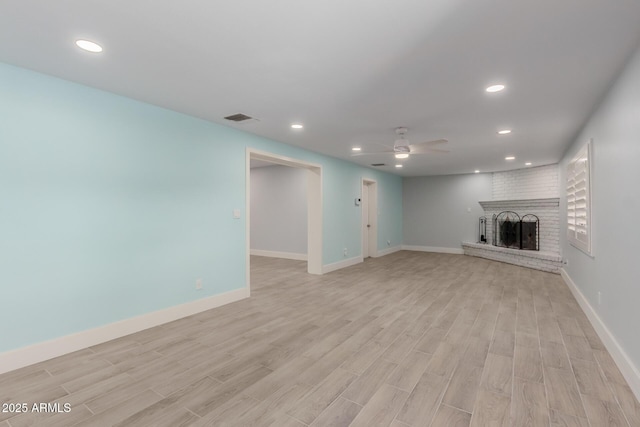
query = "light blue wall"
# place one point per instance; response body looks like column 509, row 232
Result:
column 111, row 208
column 390, row 219
column 344, row 217
column 435, row 209
column 615, row 268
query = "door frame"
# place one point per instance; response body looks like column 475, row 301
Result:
column 314, row 207
column 372, row 188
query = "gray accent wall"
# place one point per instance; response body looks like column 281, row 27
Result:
column 435, row 209
column 614, row 268
column 279, row 209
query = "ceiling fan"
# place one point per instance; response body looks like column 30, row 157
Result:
column 402, row 149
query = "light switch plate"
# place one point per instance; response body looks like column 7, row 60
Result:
column 236, row 213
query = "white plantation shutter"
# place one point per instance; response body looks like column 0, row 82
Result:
column 579, row 200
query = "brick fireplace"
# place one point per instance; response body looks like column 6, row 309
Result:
column 531, row 191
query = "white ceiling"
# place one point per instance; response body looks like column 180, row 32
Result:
column 351, row 71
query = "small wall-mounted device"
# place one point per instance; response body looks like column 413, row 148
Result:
column 358, row 201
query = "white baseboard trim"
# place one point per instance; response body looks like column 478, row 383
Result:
column 276, row 254
column 457, row 251
column 328, row 268
column 46, row 350
column 625, row 364
column 388, row 251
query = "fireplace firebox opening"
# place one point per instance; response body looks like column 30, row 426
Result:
column 512, row 231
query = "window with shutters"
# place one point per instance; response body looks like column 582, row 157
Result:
column 579, row 200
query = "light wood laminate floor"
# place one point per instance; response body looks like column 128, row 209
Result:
column 410, row 339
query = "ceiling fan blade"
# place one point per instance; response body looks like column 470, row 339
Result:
column 371, row 153
column 427, row 150
column 431, row 143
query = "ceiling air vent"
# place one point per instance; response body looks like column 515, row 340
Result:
column 238, row 117
column 377, row 164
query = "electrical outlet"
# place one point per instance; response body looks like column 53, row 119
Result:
column 198, row 283
column 388, row 242
column 345, row 252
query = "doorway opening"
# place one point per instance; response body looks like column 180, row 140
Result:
column 369, row 218
column 313, row 176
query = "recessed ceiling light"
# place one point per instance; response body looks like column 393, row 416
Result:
column 296, row 126
column 504, row 131
column 398, row 166
column 510, row 158
column 356, row 149
column 528, row 164
column 402, row 155
column 89, row 46
column 495, row 88
column 476, row 171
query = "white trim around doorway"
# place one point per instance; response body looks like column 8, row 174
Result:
column 314, row 207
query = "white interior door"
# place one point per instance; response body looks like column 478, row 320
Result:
column 369, row 206
column 365, row 221
column 369, row 218
column 372, row 218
